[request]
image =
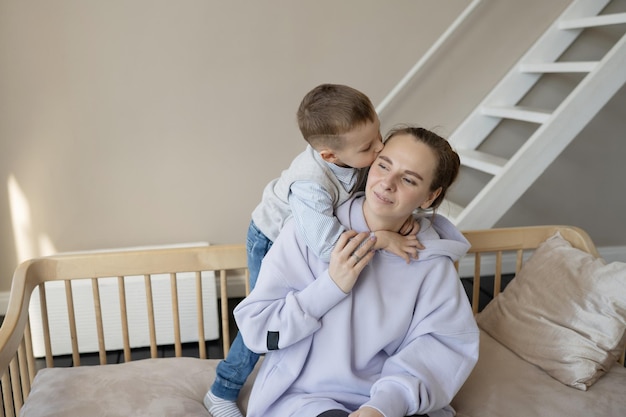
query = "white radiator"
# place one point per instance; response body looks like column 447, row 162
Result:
column 136, row 310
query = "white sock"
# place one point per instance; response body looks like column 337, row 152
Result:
column 218, row 407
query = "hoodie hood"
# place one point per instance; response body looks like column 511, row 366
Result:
column 438, row 235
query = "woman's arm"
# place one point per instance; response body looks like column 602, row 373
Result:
column 289, row 300
column 437, row 354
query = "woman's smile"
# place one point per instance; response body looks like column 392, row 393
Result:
column 382, row 198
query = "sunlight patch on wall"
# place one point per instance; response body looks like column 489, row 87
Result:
column 28, row 243
column 46, row 247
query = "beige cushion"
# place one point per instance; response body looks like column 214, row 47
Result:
column 167, row 387
column 565, row 312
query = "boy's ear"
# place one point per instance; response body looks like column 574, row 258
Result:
column 328, row 155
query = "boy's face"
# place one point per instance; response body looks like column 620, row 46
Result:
column 362, row 146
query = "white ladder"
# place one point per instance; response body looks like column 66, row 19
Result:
column 509, row 177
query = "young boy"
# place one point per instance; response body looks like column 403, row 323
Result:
column 342, row 129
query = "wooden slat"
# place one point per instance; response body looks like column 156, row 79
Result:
column 71, row 315
column 7, row 401
column 2, row 411
column 23, row 370
column 97, row 305
column 200, row 315
column 175, row 316
column 476, row 284
column 14, row 373
column 497, row 279
column 519, row 260
column 151, row 323
column 224, row 308
column 30, row 357
column 124, row 318
column 45, row 325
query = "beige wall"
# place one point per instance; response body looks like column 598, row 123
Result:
column 138, row 122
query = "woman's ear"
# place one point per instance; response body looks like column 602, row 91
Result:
column 433, row 196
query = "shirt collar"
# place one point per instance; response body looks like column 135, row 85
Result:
column 346, row 175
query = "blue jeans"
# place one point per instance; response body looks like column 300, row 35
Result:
column 232, row 372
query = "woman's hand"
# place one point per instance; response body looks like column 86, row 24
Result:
column 366, row 412
column 349, row 257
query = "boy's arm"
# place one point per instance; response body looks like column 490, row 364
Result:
column 403, row 244
column 314, row 216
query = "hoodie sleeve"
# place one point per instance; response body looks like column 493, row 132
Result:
column 437, row 354
column 288, row 300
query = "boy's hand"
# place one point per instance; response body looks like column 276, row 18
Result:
column 406, row 247
column 410, row 227
column 349, row 256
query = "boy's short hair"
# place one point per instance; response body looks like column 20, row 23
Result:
column 330, row 110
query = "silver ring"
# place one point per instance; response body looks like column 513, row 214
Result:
column 357, row 257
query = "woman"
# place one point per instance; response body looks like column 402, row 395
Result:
column 367, row 334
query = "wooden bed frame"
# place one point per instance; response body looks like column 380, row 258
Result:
column 491, row 249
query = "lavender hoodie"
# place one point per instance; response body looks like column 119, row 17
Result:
column 402, row 341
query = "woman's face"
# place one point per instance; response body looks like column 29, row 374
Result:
column 400, row 178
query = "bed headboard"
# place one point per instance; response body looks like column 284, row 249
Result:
column 491, row 249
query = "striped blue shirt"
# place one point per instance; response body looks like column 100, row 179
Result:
column 314, row 214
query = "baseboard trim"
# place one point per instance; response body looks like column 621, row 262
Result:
column 613, row 253
column 236, row 284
